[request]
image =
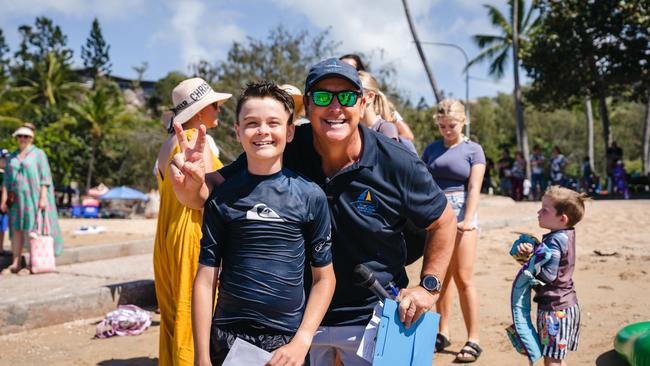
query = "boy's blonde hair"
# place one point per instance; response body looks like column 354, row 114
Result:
column 568, row 202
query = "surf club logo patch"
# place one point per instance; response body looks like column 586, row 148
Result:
column 262, row 212
column 365, row 203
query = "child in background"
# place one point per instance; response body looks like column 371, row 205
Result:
column 558, row 312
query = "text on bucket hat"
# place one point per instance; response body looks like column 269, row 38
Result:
column 191, row 96
column 23, row 131
column 332, row 68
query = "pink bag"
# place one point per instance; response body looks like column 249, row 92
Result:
column 41, row 247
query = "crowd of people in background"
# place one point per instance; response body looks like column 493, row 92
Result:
column 546, row 172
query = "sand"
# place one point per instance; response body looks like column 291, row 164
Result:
column 613, row 291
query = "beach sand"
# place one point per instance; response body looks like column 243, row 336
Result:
column 613, row 291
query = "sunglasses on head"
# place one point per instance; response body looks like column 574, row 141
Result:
column 323, row 98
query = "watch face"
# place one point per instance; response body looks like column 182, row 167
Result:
column 430, row 283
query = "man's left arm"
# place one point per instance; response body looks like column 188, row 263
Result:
column 438, row 248
column 426, row 206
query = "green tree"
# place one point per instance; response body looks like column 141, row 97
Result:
column 513, row 39
column 4, row 61
column 95, row 52
column 100, row 113
column 588, row 49
column 37, row 44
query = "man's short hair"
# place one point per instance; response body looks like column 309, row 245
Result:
column 265, row 89
column 567, row 202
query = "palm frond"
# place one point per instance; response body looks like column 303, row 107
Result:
column 498, row 65
column 483, row 40
column 497, row 18
column 489, row 53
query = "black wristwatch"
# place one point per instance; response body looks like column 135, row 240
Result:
column 431, row 283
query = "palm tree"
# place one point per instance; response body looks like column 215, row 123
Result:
column 48, row 86
column 100, row 112
column 496, row 49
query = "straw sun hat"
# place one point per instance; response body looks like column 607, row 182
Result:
column 191, row 96
column 296, row 95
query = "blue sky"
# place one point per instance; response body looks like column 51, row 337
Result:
column 169, row 35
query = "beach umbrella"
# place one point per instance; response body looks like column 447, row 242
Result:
column 123, row 193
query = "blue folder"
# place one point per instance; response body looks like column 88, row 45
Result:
column 396, row 345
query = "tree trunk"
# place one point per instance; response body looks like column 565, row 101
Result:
column 590, row 132
column 91, row 166
column 646, row 138
column 604, row 118
column 522, row 137
column 432, row 80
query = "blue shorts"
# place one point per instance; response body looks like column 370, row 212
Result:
column 4, row 222
column 457, row 202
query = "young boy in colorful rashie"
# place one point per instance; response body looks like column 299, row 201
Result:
column 260, row 227
column 558, row 312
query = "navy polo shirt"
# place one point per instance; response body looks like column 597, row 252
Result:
column 370, row 202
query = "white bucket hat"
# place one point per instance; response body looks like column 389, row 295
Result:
column 24, row 131
column 190, row 96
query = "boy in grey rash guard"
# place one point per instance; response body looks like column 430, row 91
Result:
column 259, row 227
column 558, row 312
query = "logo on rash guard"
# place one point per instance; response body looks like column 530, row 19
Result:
column 262, row 212
column 365, row 203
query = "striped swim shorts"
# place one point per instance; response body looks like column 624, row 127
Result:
column 559, row 331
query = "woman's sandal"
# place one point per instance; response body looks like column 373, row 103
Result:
column 442, row 342
column 469, row 353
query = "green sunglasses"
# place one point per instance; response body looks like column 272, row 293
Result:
column 323, row 98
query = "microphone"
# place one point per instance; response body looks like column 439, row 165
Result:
column 369, row 281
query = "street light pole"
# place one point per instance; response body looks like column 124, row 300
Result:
column 467, row 124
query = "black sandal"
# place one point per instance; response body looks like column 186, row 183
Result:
column 472, row 349
column 442, row 342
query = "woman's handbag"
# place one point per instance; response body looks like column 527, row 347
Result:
column 41, row 246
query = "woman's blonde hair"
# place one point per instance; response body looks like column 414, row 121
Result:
column 451, row 108
column 381, row 105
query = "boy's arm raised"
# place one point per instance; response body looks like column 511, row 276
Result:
column 188, row 170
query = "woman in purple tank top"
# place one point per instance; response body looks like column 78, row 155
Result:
column 457, row 165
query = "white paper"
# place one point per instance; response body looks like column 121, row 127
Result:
column 243, row 353
column 367, row 346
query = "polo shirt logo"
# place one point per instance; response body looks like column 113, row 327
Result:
column 262, row 212
column 365, row 203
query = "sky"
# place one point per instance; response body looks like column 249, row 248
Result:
column 170, row 35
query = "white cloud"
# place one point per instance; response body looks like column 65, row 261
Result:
column 368, row 26
column 194, row 32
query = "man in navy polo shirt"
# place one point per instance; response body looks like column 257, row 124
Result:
column 373, row 185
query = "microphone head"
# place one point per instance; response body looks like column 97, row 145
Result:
column 365, row 275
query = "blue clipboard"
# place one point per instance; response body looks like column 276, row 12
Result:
column 396, row 345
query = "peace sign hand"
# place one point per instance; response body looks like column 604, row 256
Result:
column 188, row 167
